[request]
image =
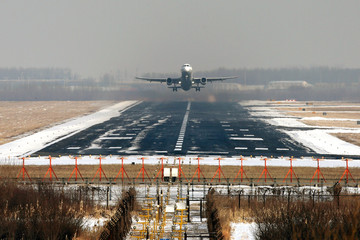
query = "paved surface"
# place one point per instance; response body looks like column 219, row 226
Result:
column 180, row 128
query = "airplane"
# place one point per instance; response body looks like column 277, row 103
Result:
column 186, row 81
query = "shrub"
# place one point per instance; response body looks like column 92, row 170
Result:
column 40, row 212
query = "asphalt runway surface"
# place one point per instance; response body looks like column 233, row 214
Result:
column 181, row 128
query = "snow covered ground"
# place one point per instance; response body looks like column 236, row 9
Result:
column 320, row 140
column 91, row 222
column 243, row 231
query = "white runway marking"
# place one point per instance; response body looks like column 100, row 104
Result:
column 73, row 148
column 258, row 149
column 244, row 130
column 115, row 147
column 161, row 151
column 246, row 139
column 131, row 134
column 241, row 148
column 282, row 149
column 229, row 129
column 116, row 138
column 248, row 135
column 180, row 140
column 205, row 152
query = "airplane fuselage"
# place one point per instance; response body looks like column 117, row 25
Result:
column 186, row 77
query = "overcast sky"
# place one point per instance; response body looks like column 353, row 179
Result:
column 95, row 37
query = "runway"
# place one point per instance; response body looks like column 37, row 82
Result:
column 181, row 128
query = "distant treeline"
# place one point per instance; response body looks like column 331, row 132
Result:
column 61, row 84
column 35, row 73
column 256, row 76
column 262, row 76
column 312, row 75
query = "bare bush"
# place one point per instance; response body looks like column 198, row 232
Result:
column 41, row 212
column 308, row 220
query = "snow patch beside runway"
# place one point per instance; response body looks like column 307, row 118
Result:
column 30, row 144
column 324, row 143
column 319, row 140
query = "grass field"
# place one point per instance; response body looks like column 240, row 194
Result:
column 328, row 110
column 18, row 118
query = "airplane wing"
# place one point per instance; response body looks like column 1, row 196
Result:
column 152, row 79
column 214, row 79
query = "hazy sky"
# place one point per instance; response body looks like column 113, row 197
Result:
column 95, row 37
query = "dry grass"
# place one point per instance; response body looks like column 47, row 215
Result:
column 19, row 118
column 353, row 138
column 88, row 171
column 326, row 123
column 344, row 115
column 322, row 109
column 41, row 212
column 315, row 103
column 280, row 217
column 338, row 110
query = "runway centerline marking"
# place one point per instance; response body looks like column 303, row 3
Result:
column 181, row 136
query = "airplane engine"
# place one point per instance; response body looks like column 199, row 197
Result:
column 203, row 81
column 169, row 81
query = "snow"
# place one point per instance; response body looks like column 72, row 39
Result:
column 30, row 144
column 329, row 119
column 92, row 222
column 323, row 143
column 319, row 140
column 287, row 122
column 242, row 231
